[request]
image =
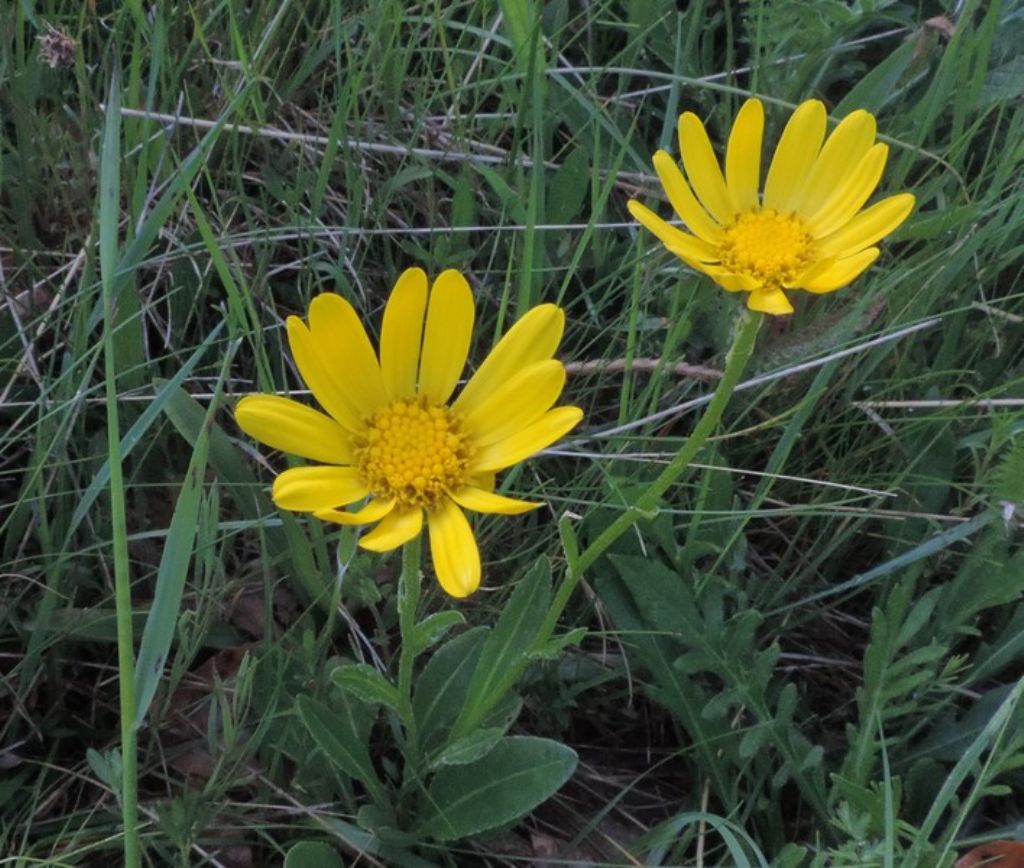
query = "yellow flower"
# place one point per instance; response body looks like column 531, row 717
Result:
column 390, row 433
column 806, row 231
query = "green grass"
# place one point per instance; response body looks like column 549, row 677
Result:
column 809, row 656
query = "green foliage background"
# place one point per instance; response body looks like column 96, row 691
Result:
column 809, row 656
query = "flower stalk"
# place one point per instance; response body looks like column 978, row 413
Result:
column 735, row 363
column 736, row 360
column 408, row 603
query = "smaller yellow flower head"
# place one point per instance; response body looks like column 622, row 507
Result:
column 805, row 231
column 390, row 434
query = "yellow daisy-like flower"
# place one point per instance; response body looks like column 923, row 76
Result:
column 390, row 433
column 806, row 231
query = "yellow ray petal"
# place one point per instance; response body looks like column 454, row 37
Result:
column 453, row 550
column 307, row 489
column 683, row 201
column 735, row 282
column 292, row 427
column 850, row 195
column 542, row 433
column 670, row 236
column 523, row 398
column 323, row 378
column 397, row 528
column 811, row 273
column 375, row 510
column 478, row 500
column 702, row 168
column 771, row 301
column 532, row 338
column 842, row 272
column 344, row 346
column 728, row 280
column 794, row 156
column 722, row 276
column 447, row 335
column 842, row 151
column 867, row 227
column 743, row 156
column 486, row 481
column 401, row 333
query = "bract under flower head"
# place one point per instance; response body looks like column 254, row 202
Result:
column 392, row 438
column 805, row 231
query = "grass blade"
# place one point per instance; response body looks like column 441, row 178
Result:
column 110, row 200
column 174, row 562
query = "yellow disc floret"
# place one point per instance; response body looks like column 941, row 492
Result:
column 413, row 452
column 773, row 247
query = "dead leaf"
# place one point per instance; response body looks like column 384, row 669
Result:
column 544, row 846
column 189, row 710
column 235, row 857
column 998, row 854
column 248, row 614
column 196, row 762
column 941, row 23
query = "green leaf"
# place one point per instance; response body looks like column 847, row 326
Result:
column 554, row 647
column 370, row 843
column 469, row 749
column 442, row 685
column 1003, row 83
column 106, row 766
column 568, row 187
column 343, row 736
column 512, row 200
column 432, row 628
column 879, row 86
column 753, row 740
column 515, row 632
column 632, row 605
column 661, row 595
column 509, row 782
column 505, row 713
column 312, row 854
column 384, row 826
column 366, row 683
column 570, row 542
column 519, row 16
column 791, row 856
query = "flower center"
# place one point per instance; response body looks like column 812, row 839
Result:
column 413, row 452
column 765, row 244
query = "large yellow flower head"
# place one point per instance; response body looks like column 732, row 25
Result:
column 390, row 433
column 806, row 231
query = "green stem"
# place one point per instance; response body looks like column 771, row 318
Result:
column 408, row 602
column 735, row 363
column 110, row 185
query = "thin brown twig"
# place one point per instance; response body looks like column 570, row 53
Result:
column 680, row 369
